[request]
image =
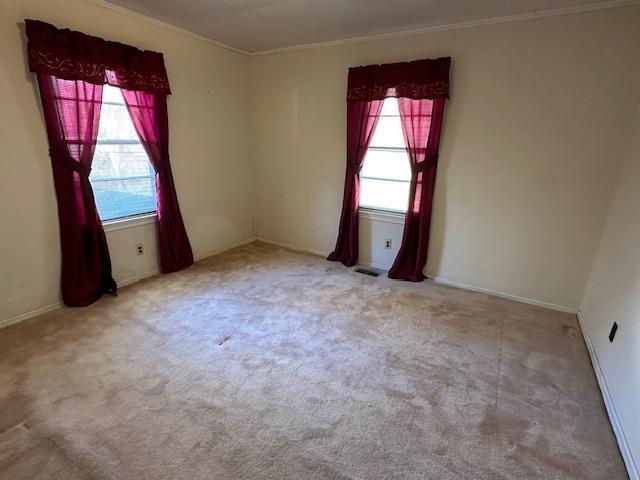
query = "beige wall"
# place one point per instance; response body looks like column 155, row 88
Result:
column 209, row 150
column 538, row 119
column 613, row 295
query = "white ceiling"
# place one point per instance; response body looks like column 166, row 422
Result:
column 258, row 25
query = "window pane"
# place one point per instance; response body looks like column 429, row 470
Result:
column 385, row 174
column 122, row 177
column 122, row 198
column 386, row 164
column 384, row 194
column 388, row 133
column 119, row 160
column 390, row 107
column 115, row 124
column 112, row 95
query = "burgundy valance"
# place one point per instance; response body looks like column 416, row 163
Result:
column 71, row 55
column 420, row 79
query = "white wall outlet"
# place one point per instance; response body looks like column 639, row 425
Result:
column 387, row 243
column 139, row 249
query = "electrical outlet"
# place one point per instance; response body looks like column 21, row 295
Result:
column 387, row 244
column 139, row 249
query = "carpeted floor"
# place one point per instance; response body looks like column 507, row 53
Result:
column 262, row 363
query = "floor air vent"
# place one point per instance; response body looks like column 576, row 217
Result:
column 366, row 271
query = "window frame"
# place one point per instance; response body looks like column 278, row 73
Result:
column 129, row 221
column 382, row 215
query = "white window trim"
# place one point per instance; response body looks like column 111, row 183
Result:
column 382, row 215
column 129, row 222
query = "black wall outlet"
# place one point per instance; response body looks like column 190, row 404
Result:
column 612, row 333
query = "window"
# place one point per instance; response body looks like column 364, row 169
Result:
column 386, row 173
column 122, row 177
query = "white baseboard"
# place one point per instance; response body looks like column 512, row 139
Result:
column 372, row 264
column 224, row 249
column 121, row 283
column 136, row 278
column 441, row 280
column 31, row 313
column 627, row 456
column 290, row 246
column 295, row 248
column 509, row 296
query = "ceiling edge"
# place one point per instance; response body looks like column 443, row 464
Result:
column 165, row 25
column 453, row 26
column 366, row 38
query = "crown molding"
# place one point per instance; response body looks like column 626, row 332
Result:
column 167, row 26
column 452, row 26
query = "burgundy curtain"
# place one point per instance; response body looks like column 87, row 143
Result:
column 421, row 126
column 422, row 87
column 362, row 117
column 71, row 113
column 418, row 79
column 149, row 114
column 72, row 55
column 71, row 69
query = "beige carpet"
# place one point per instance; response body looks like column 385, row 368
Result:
column 263, row 363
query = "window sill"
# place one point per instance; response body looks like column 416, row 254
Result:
column 129, row 222
column 380, row 215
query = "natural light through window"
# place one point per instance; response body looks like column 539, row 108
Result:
column 122, row 178
column 385, row 174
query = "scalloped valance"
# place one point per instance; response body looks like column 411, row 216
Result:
column 420, row 79
column 71, row 55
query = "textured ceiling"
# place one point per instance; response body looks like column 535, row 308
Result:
column 256, row 25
